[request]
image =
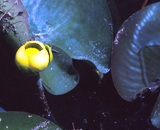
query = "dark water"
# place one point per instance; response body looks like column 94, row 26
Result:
column 90, row 106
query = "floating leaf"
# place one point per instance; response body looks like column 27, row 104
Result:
column 135, row 34
column 14, row 22
column 59, row 77
column 149, row 59
column 15, row 29
column 83, row 29
column 136, row 52
column 25, row 121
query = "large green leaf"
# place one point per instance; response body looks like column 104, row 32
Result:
column 59, row 77
column 83, row 29
column 25, row 121
column 135, row 59
column 14, row 22
column 139, row 31
column 86, row 36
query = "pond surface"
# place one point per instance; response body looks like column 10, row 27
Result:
column 90, row 106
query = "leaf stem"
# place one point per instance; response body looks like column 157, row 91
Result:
column 48, row 112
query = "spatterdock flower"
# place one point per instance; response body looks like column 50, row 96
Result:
column 33, row 56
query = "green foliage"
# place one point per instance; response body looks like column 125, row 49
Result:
column 135, row 58
column 86, row 36
column 81, row 29
column 25, row 121
column 60, row 77
column 74, row 29
column 135, row 34
column 14, row 22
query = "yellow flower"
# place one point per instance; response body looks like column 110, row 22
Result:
column 33, row 56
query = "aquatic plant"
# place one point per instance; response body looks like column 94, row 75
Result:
column 135, row 58
column 86, row 36
column 82, row 31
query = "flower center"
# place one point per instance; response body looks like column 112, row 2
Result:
column 31, row 51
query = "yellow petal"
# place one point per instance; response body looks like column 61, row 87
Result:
column 33, row 56
column 34, row 44
column 21, row 59
column 48, row 48
column 31, row 51
column 39, row 61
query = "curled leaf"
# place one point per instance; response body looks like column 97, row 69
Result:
column 135, row 59
column 128, row 56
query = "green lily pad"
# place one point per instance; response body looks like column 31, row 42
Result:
column 85, row 36
column 149, row 59
column 135, row 59
column 83, row 29
column 59, row 77
column 25, row 121
column 59, row 80
column 14, row 22
column 151, row 73
column 136, row 33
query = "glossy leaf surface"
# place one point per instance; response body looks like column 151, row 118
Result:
column 59, row 77
column 14, row 22
column 135, row 58
column 135, row 34
column 16, row 33
column 80, row 28
column 25, row 121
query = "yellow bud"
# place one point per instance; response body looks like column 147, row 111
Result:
column 33, row 56
column 49, row 52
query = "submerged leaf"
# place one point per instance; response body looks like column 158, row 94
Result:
column 25, row 121
column 83, row 29
column 136, row 53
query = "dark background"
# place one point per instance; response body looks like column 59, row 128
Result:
column 91, row 105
